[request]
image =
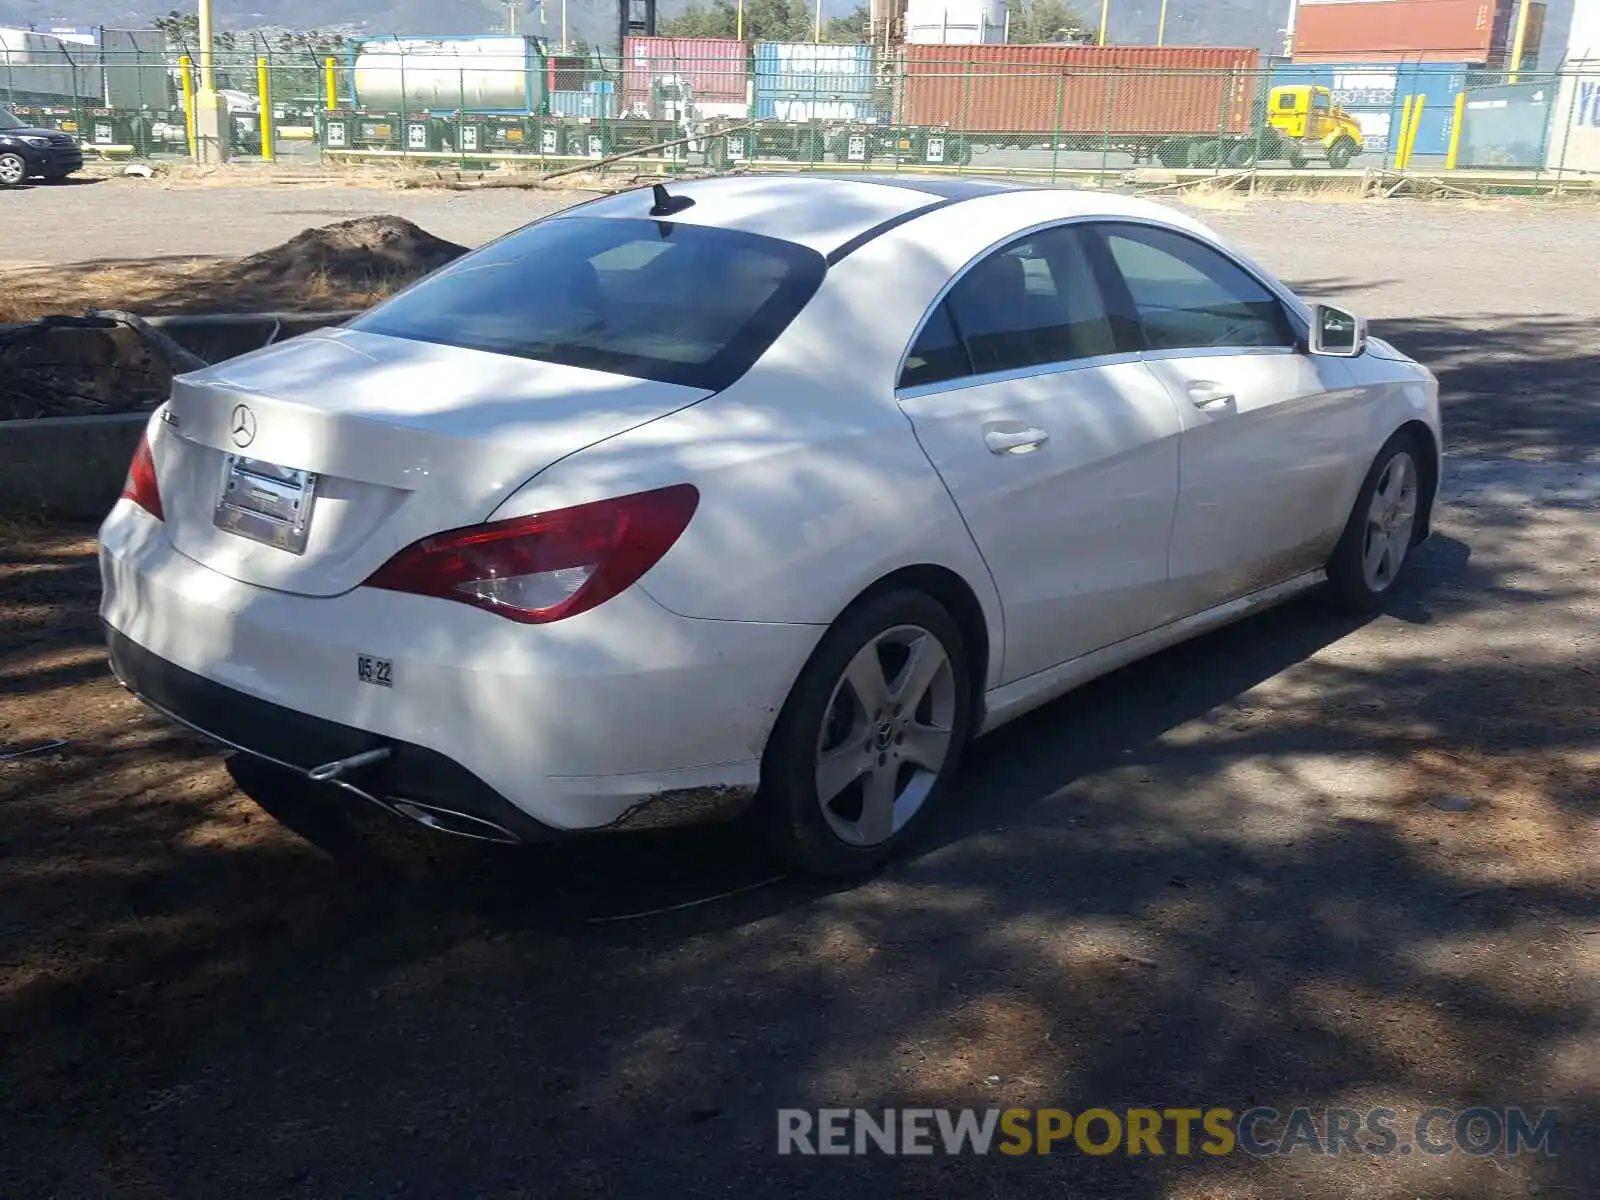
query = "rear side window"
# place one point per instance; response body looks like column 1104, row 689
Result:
column 683, row 304
column 1032, row 303
column 1188, row 296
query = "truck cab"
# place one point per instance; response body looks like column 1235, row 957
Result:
column 1306, row 114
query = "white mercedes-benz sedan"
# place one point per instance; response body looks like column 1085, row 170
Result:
column 750, row 497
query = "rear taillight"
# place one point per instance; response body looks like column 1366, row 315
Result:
column 549, row 566
column 140, row 485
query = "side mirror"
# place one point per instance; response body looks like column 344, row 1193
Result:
column 1336, row 333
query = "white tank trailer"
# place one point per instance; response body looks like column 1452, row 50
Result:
column 492, row 73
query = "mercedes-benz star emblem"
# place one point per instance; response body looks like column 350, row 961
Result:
column 242, row 426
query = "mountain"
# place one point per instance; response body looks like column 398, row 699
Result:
column 1189, row 22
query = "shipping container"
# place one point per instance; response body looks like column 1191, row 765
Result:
column 717, row 70
column 1447, row 31
column 1375, row 94
column 488, row 73
column 583, row 104
column 783, row 108
column 1575, row 132
column 1121, row 90
column 567, row 72
column 1583, row 36
column 38, row 68
column 1507, row 125
column 803, row 70
column 136, row 68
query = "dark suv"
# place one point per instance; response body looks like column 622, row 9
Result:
column 26, row 152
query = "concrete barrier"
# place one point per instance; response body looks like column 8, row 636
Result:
column 66, row 467
column 72, row 468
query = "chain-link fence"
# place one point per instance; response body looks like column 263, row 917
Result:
column 1052, row 112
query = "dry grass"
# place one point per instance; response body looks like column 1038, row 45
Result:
column 156, row 286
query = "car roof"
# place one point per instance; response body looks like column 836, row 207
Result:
column 833, row 212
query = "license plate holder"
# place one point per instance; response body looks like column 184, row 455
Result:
column 266, row 503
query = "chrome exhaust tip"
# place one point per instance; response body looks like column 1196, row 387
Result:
column 331, row 772
column 444, row 820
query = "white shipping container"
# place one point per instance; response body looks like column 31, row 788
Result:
column 1583, row 35
column 955, row 22
column 1575, row 130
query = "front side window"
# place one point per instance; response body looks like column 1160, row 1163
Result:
column 685, row 304
column 1033, row 303
column 1189, row 296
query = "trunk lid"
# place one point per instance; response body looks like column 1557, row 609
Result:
column 404, row 438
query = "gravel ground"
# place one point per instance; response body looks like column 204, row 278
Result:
column 1305, row 861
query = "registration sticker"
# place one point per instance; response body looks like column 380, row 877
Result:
column 377, row 671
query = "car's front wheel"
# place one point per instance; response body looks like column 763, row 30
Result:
column 13, row 169
column 869, row 738
column 1376, row 546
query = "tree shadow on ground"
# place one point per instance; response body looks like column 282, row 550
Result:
column 1216, row 878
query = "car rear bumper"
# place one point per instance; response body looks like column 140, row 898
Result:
column 624, row 717
column 414, row 777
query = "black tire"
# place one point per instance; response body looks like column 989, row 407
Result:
column 1205, row 154
column 1173, row 154
column 1297, row 158
column 1349, row 585
column 790, row 813
column 1340, row 154
column 13, row 169
column 1245, row 153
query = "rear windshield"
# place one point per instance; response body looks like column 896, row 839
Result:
column 686, row 304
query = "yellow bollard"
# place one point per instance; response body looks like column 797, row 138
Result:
column 186, row 81
column 264, row 92
column 1455, row 132
column 332, row 83
column 1416, row 124
column 1400, row 138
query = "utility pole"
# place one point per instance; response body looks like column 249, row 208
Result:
column 211, row 117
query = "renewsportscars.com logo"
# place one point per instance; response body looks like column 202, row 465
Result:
column 1260, row 1132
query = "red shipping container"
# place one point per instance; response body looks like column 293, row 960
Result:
column 718, row 69
column 1455, row 31
column 1080, row 89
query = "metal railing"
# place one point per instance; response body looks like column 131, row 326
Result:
column 1012, row 110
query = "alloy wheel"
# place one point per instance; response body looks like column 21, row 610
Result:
column 886, row 736
column 1390, row 519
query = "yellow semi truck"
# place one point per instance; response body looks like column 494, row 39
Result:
column 1295, row 124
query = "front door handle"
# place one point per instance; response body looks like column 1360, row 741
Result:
column 1206, row 394
column 1015, row 441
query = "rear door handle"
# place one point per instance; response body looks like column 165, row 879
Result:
column 1206, row 394
column 1014, row 441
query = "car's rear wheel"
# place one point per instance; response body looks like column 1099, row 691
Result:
column 13, row 169
column 1375, row 548
column 868, row 740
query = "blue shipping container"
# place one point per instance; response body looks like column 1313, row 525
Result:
column 784, row 108
column 1508, row 125
column 583, row 104
column 1375, row 95
column 805, row 70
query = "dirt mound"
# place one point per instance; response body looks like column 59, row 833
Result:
column 362, row 252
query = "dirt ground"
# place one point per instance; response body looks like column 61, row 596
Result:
column 1304, row 861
